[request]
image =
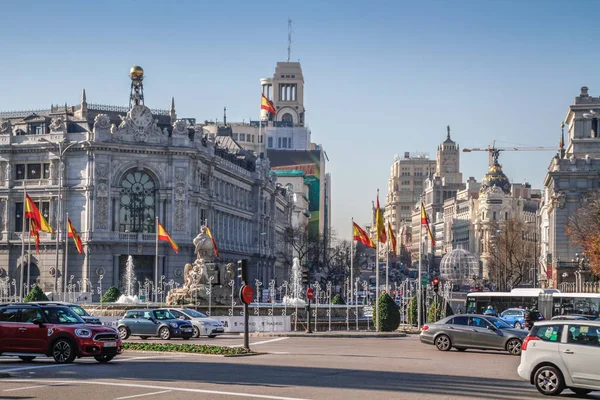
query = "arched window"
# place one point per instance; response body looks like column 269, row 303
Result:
column 287, row 119
column 137, row 202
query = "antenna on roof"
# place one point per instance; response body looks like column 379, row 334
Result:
column 289, row 39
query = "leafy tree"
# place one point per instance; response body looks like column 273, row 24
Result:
column 512, row 254
column 389, row 318
column 583, row 228
column 337, row 299
column 111, row 295
column 36, row 294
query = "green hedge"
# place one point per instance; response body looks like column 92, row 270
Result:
column 436, row 310
column 111, row 295
column 186, row 348
column 411, row 310
column 389, row 318
column 337, row 299
column 36, row 294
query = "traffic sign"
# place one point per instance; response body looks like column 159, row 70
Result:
column 310, row 293
column 246, row 294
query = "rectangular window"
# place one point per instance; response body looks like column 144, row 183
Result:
column 34, row 171
column 284, row 142
column 549, row 333
column 270, row 143
column 46, row 172
column 20, row 172
column 583, row 335
column 278, row 142
column 242, row 137
column 43, row 206
column 234, row 136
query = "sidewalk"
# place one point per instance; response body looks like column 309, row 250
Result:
column 331, row 334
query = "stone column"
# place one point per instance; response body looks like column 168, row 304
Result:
column 116, row 270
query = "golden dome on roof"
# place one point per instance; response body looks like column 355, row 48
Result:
column 136, row 73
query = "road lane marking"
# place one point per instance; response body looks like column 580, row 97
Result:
column 30, row 387
column 142, row 395
column 263, row 342
column 174, row 389
column 36, row 367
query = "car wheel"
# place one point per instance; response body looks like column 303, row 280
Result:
column 104, row 358
column 123, row 332
column 63, row 351
column 443, row 343
column 549, row 381
column 518, row 325
column 581, row 392
column 514, row 347
column 164, row 333
column 196, row 332
column 212, row 336
column 144, row 337
column 27, row 358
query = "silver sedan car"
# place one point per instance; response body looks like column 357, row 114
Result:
column 472, row 331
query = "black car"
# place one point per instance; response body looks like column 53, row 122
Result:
column 89, row 319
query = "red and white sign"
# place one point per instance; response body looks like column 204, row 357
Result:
column 310, row 293
column 246, row 294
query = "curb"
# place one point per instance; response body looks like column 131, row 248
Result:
column 4, row 375
column 331, row 335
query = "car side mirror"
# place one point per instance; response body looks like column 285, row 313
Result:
column 182, row 318
column 38, row 321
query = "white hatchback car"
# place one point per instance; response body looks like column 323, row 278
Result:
column 203, row 325
column 562, row 354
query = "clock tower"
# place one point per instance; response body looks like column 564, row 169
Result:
column 448, row 161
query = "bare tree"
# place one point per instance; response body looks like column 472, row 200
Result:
column 513, row 254
column 583, row 228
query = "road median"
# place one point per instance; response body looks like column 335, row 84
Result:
column 332, row 334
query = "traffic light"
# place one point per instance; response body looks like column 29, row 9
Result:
column 242, row 271
column 305, row 279
column 436, row 284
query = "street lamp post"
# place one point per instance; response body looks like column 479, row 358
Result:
column 61, row 152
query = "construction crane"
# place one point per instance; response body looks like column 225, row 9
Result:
column 495, row 151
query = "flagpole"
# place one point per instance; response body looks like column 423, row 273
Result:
column 156, row 264
column 23, row 243
column 28, row 262
column 377, row 265
column 351, row 264
column 66, row 256
column 419, row 296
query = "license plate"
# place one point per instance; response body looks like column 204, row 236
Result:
column 110, row 344
column 186, row 330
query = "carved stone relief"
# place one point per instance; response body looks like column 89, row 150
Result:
column 5, row 127
column 102, row 124
column 180, row 128
column 179, row 190
column 58, row 124
column 102, row 196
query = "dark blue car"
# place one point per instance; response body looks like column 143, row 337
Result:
column 516, row 317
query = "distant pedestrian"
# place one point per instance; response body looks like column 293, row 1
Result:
column 490, row 311
column 530, row 316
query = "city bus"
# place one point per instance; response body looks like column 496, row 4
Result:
column 550, row 302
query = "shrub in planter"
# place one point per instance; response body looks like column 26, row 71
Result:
column 411, row 311
column 36, row 294
column 337, row 299
column 389, row 318
column 111, row 295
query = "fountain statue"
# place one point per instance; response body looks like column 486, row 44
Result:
column 129, row 297
column 205, row 273
column 295, row 298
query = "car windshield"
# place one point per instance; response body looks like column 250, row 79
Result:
column 163, row 314
column 79, row 311
column 62, row 315
column 498, row 323
column 193, row 313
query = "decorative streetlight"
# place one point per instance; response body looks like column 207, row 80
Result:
column 61, row 152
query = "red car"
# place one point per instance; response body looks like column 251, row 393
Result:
column 29, row 330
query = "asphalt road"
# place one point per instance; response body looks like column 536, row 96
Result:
column 294, row 368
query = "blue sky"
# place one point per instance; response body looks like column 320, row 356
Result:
column 381, row 77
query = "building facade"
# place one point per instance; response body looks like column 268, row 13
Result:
column 572, row 174
column 114, row 170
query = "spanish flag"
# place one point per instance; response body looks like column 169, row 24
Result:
column 392, row 238
column 73, row 234
column 34, row 231
column 381, row 237
column 164, row 236
column 33, row 213
column 361, row 236
column 266, row 104
column 215, row 250
column 425, row 221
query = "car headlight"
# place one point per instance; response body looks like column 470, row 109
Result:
column 83, row 333
column 174, row 325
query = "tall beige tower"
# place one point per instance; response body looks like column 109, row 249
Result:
column 286, row 91
column 448, row 161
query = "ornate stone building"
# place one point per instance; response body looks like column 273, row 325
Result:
column 114, row 170
column 572, row 174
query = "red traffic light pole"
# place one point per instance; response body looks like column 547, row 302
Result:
column 310, row 294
